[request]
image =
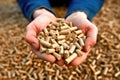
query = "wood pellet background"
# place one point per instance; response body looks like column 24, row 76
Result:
column 17, row 62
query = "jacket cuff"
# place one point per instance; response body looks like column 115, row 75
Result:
column 89, row 7
column 29, row 6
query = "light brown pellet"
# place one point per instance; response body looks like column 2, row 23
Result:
column 70, row 58
column 28, row 62
column 81, row 35
column 46, row 32
column 61, row 41
column 77, row 45
column 105, row 71
column 49, row 77
column 50, row 50
column 117, row 74
column 35, row 75
column 64, row 32
column 42, row 49
column 97, row 72
column 66, row 46
column 61, row 50
column 61, row 37
column 79, row 52
column 45, row 43
column 81, row 42
column 48, row 39
column 73, row 28
column 58, row 56
column 31, row 70
column 64, row 27
column 54, row 42
column 66, row 54
column 55, row 45
column 72, row 48
column 9, row 74
column 78, row 32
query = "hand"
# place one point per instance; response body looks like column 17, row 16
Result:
column 80, row 20
column 42, row 18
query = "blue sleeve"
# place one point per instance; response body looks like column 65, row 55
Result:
column 90, row 7
column 29, row 6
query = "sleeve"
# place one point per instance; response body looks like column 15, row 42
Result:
column 29, row 6
column 90, row 7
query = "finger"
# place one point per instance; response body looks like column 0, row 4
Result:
column 60, row 62
column 79, row 60
column 91, row 38
column 31, row 36
column 44, row 56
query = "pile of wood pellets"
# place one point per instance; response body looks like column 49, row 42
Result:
column 17, row 62
column 62, row 39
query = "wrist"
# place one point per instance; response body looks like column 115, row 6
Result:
column 42, row 11
column 82, row 15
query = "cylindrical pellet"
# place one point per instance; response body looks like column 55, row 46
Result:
column 64, row 27
column 77, row 45
column 48, row 39
column 61, row 41
column 55, row 45
column 65, row 24
column 44, row 43
column 78, row 32
column 79, row 52
column 81, row 35
column 73, row 28
column 46, row 32
column 57, row 49
column 117, row 74
column 81, row 42
column 61, row 50
column 66, row 46
column 50, row 51
column 64, row 32
column 71, row 58
column 54, row 41
column 66, row 54
column 58, row 56
column 42, row 49
column 61, row 37
column 72, row 48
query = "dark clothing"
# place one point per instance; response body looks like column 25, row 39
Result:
column 90, row 7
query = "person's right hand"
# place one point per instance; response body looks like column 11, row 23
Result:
column 42, row 18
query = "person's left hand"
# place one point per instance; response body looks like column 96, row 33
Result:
column 80, row 20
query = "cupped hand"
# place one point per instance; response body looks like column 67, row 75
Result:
column 41, row 19
column 80, row 20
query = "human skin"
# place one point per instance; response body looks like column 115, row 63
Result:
column 80, row 20
column 43, row 17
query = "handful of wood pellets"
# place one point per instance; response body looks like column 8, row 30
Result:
column 62, row 40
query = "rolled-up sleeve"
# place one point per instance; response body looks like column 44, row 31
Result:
column 90, row 7
column 29, row 6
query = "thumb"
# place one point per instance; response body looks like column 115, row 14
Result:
column 89, row 43
column 91, row 38
column 31, row 36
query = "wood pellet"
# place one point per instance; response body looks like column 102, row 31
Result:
column 62, row 39
column 104, row 56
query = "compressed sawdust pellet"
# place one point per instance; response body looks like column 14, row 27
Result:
column 62, row 39
column 104, row 57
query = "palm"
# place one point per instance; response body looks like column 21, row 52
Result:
column 37, row 25
column 89, row 30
